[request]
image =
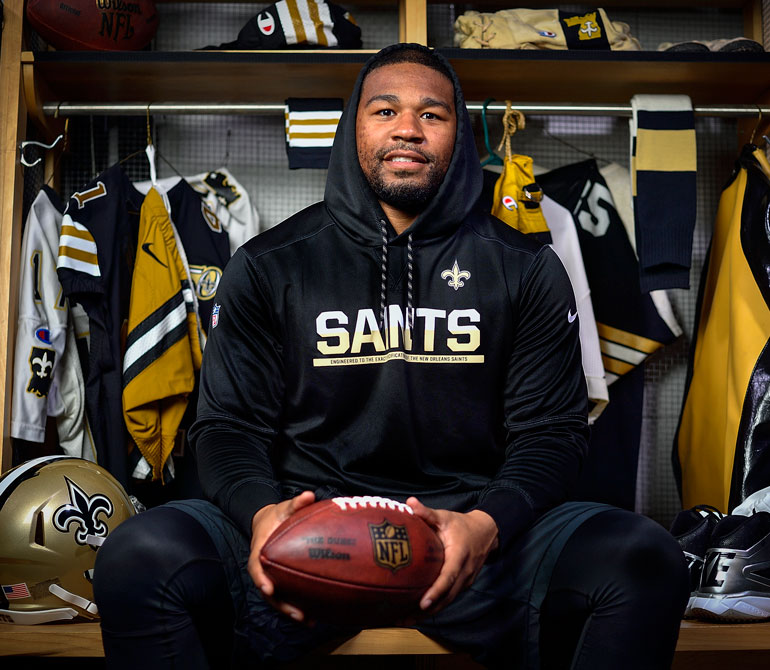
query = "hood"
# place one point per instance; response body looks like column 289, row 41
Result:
column 353, row 204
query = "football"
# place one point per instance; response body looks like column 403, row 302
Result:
column 359, row 561
column 94, row 25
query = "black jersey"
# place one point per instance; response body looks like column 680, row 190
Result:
column 205, row 243
column 631, row 325
column 721, row 447
column 97, row 249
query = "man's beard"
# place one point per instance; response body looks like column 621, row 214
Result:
column 404, row 194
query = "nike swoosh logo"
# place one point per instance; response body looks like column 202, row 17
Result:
column 146, row 248
column 570, row 316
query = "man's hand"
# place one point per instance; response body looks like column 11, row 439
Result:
column 265, row 521
column 468, row 538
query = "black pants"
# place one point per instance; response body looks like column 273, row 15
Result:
column 615, row 598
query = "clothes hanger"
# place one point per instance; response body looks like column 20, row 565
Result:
column 227, row 148
column 92, row 145
column 760, row 155
column 168, row 163
column 757, row 126
column 151, row 152
column 64, row 147
column 585, row 152
column 492, row 158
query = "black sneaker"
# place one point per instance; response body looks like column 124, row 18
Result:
column 735, row 584
column 692, row 528
column 687, row 47
column 736, row 45
column 730, row 45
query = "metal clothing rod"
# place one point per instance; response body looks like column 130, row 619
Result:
column 137, row 109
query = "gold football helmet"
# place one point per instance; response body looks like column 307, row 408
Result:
column 55, row 512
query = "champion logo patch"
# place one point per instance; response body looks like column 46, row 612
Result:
column 43, row 335
column 215, row 315
column 509, row 203
column 266, row 23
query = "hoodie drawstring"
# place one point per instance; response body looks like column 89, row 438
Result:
column 384, row 281
column 409, row 285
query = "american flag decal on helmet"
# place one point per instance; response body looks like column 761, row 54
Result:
column 16, row 591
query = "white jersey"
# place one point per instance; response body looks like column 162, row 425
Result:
column 230, row 202
column 225, row 197
column 565, row 243
column 48, row 380
column 618, row 180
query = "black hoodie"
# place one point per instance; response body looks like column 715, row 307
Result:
column 302, row 387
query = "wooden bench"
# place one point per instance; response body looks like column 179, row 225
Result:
column 701, row 645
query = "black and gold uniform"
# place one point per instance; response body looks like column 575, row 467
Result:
column 721, row 451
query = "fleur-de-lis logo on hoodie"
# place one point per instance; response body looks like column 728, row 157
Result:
column 456, row 276
column 84, row 512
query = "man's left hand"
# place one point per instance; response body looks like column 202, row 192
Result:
column 468, row 538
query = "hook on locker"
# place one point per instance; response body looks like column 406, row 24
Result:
column 26, row 143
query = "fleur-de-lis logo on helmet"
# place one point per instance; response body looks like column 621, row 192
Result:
column 456, row 276
column 84, row 511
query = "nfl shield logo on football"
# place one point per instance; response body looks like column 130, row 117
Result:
column 391, row 545
column 215, row 315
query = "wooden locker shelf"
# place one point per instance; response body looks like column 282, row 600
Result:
column 84, row 640
column 235, row 76
column 491, row 5
column 212, row 76
column 601, row 77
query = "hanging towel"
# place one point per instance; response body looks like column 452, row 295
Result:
column 517, row 197
column 311, row 124
column 663, row 165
